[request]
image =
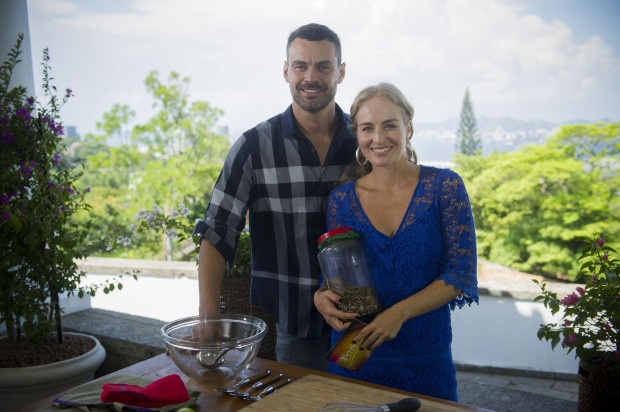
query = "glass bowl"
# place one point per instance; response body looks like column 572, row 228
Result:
column 214, row 349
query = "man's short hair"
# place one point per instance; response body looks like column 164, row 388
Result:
column 316, row 32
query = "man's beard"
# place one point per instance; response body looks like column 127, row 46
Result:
column 315, row 105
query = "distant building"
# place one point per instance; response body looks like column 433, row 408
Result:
column 72, row 133
column 223, row 130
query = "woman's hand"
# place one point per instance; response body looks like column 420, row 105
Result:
column 385, row 326
column 325, row 301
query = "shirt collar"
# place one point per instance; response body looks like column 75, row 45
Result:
column 291, row 129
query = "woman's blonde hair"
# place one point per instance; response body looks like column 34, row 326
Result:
column 392, row 93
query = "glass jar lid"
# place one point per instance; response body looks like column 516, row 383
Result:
column 334, row 235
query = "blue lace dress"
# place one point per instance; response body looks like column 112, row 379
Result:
column 435, row 240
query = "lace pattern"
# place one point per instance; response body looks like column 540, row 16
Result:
column 436, row 240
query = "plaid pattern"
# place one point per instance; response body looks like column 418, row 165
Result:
column 273, row 172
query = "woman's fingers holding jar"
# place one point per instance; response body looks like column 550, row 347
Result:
column 341, row 322
column 326, row 303
column 325, row 300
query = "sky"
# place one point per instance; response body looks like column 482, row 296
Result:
column 553, row 60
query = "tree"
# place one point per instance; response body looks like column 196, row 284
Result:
column 532, row 206
column 174, row 158
column 597, row 145
column 467, row 140
column 184, row 154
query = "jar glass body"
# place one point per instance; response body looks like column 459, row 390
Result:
column 345, row 269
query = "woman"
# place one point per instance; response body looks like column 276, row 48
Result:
column 417, row 229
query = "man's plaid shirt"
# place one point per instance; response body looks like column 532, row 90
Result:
column 273, row 172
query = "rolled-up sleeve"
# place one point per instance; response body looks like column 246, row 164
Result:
column 232, row 194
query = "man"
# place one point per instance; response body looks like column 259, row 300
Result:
column 281, row 172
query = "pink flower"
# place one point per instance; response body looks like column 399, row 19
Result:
column 570, row 299
column 567, row 322
column 570, row 340
column 581, row 291
column 600, row 242
column 605, row 256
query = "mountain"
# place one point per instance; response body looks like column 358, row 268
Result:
column 434, row 141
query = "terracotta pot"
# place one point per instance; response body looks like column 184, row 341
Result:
column 599, row 387
column 21, row 386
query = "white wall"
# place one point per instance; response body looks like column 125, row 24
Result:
column 14, row 20
column 502, row 332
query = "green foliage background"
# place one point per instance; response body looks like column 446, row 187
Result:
column 531, row 206
column 173, row 158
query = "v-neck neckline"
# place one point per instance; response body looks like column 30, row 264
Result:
column 407, row 211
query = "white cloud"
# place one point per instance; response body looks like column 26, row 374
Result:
column 515, row 63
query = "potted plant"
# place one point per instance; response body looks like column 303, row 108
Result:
column 39, row 244
column 590, row 325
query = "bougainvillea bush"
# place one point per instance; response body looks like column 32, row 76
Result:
column 590, row 323
column 38, row 196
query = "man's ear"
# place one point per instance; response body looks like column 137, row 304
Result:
column 342, row 70
column 285, row 71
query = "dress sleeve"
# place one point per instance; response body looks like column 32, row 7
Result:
column 459, row 262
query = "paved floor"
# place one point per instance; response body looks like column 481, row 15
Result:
column 561, row 389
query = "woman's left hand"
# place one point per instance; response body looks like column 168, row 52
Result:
column 385, row 326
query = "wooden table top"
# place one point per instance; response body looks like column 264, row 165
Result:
column 309, row 390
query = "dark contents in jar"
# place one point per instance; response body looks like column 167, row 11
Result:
column 359, row 299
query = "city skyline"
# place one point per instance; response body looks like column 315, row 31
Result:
column 555, row 60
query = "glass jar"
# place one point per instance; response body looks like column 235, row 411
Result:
column 345, row 269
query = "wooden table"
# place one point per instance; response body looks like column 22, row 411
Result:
column 309, row 391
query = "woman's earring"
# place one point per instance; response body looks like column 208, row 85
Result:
column 359, row 155
column 411, row 154
column 409, row 149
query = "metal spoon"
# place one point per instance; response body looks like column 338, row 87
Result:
column 211, row 359
column 267, row 390
column 259, row 384
column 246, row 381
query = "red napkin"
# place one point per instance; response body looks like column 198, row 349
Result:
column 165, row 391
